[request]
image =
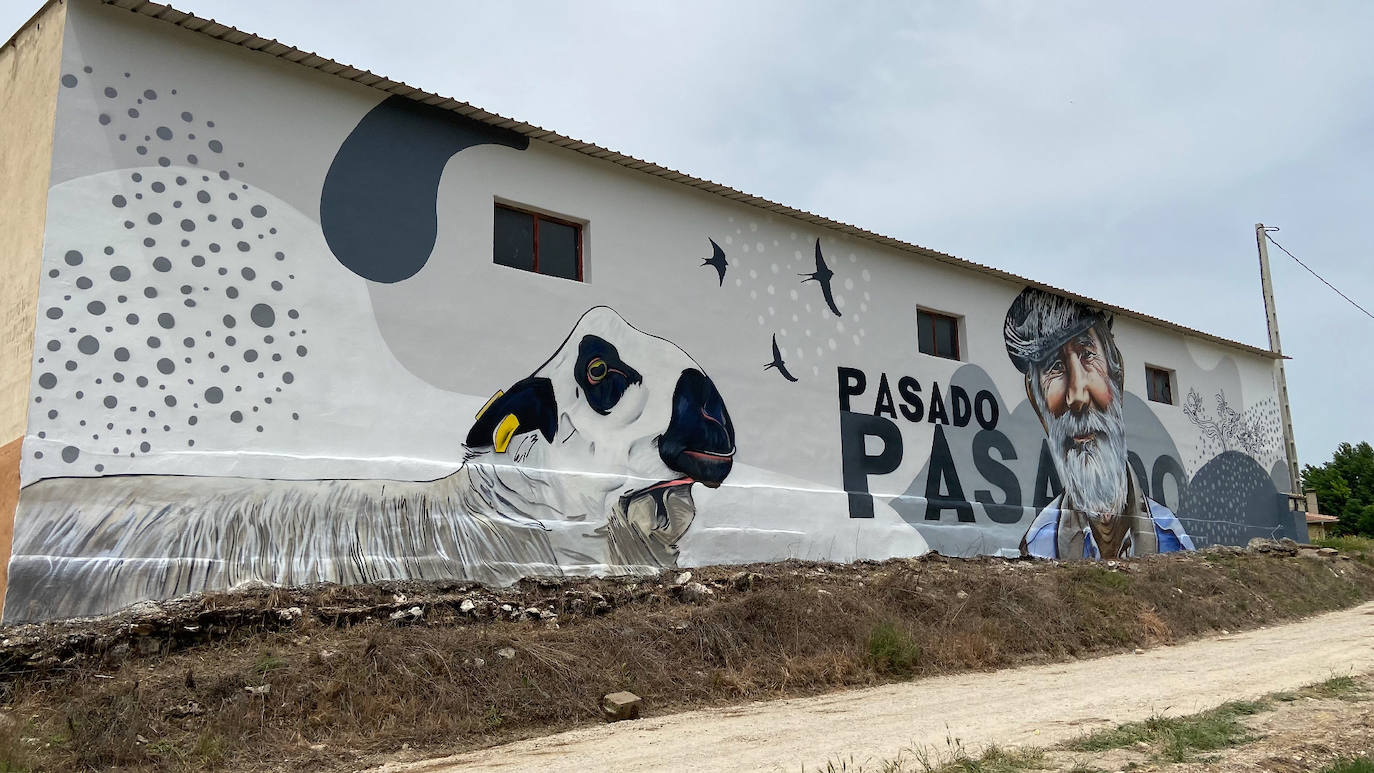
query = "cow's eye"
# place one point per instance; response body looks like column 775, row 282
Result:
column 596, row 371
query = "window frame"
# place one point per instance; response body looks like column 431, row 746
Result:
column 1152, row 372
column 934, row 315
column 577, row 226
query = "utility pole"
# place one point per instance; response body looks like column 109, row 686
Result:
column 1272, row 319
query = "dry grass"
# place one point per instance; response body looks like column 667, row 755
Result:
column 342, row 688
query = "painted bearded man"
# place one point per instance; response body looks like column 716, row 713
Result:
column 1074, row 380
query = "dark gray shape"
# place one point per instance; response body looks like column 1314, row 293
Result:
column 250, row 355
column 166, row 321
column 187, row 117
column 69, row 80
column 83, row 282
column 188, row 225
column 1230, row 500
column 213, row 395
column 95, row 307
column 248, row 273
column 165, row 366
column 216, row 146
column 54, row 313
column 377, row 206
column 162, row 264
column 145, row 447
column 88, row 345
column 121, row 354
column 73, row 257
column 164, row 133
column 111, row 401
column 120, row 273
column 119, row 201
column 154, row 218
column 258, row 210
column 236, row 416
column 236, row 222
column 54, row 345
column 263, row 315
column 243, row 246
column 229, row 320
column 110, row 92
column 149, row 94
column 104, row 119
column 203, row 197
column 70, row 453
column 47, row 381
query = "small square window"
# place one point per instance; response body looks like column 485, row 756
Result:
column 937, row 334
column 531, row 241
column 1159, row 384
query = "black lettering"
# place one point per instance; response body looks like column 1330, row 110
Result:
column 998, row 474
column 942, row 471
column 937, row 406
column 852, row 384
column 883, row 403
column 986, row 419
column 1047, row 485
column 1168, row 466
column 908, row 387
column 963, row 409
column 855, row 429
column 1138, row 469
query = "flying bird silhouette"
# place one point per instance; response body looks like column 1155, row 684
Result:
column 777, row 361
column 717, row 260
column 822, row 277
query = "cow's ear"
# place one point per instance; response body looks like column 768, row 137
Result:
column 527, row 406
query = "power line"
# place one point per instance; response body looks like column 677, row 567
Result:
column 1319, row 276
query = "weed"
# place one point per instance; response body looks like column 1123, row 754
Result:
column 892, row 651
column 1176, row 739
column 1343, row 687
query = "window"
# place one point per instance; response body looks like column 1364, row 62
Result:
column 1159, row 384
column 538, row 243
column 938, row 334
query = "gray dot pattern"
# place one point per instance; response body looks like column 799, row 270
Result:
column 144, row 322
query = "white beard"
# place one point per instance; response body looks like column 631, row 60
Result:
column 1094, row 475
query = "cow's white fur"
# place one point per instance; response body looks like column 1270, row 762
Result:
column 88, row 546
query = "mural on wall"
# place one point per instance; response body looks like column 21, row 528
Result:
column 585, row 467
column 266, row 343
column 1075, row 379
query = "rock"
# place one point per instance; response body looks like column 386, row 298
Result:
column 1139, row 651
column 507, row 652
column 683, row 579
column 259, row 690
column 188, row 709
column 695, row 593
column 745, row 580
column 548, row 614
column 144, row 609
column 467, row 606
column 414, row 613
column 328, row 654
column 1327, row 551
column 533, row 612
column 1308, row 553
column 289, row 614
column 961, row 595
column 478, row 662
column 317, row 747
column 620, row 706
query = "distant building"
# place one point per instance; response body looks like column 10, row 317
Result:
column 270, row 317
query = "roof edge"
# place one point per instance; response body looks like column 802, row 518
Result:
column 278, row 50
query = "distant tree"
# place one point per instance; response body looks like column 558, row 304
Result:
column 1345, row 488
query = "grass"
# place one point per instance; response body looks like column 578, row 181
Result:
column 1178, row 739
column 1358, row 548
column 994, row 759
column 344, row 686
column 1363, row 764
column 892, row 651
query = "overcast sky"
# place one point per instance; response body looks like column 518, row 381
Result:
column 1122, row 151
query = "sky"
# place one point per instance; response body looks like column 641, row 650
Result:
column 1120, row 151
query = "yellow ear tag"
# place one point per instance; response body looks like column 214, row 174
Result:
column 504, row 432
column 488, row 405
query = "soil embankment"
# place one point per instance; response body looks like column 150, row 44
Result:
column 337, row 678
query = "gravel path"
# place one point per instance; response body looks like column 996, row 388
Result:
column 1036, row 705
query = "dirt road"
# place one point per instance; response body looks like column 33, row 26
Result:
column 1037, row 705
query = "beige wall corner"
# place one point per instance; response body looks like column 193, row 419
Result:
column 30, row 65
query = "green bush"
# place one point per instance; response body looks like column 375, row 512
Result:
column 892, row 651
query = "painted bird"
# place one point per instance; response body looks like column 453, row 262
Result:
column 822, row 276
column 717, row 260
column 777, row 361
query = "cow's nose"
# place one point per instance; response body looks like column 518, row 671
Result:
column 700, row 441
